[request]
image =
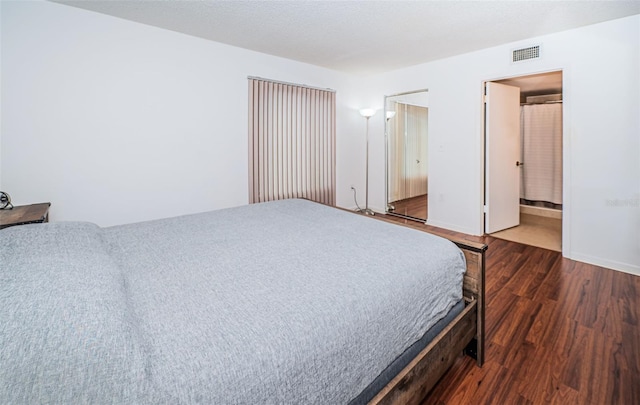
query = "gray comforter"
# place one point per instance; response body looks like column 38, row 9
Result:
column 281, row 302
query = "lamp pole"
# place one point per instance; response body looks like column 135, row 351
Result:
column 367, row 113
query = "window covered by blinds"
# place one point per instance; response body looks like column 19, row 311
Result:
column 291, row 142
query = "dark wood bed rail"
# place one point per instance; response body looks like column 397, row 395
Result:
column 474, row 288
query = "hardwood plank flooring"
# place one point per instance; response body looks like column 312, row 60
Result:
column 558, row 332
column 414, row 207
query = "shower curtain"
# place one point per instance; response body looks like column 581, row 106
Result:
column 541, row 137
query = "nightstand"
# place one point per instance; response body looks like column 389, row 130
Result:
column 25, row 214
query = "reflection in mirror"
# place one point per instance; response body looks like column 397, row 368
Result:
column 407, row 154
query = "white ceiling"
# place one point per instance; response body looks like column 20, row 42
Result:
column 361, row 36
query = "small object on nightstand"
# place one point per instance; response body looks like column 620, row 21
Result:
column 5, row 201
column 25, row 214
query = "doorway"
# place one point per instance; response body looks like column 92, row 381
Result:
column 533, row 193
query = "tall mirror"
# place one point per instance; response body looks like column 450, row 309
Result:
column 407, row 118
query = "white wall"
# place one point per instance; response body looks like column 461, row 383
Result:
column 602, row 135
column 1, row 188
column 115, row 122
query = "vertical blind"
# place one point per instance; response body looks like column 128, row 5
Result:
column 291, row 142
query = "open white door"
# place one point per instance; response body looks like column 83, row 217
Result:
column 502, row 155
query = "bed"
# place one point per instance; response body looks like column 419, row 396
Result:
column 281, row 302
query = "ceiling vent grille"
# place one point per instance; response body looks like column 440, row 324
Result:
column 532, row 52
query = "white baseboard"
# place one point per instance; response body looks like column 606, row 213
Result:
column 452, row 227
column 610, row 264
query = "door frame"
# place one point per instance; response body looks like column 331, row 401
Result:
column 566, row 150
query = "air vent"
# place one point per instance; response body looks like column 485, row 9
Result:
column 532, row 52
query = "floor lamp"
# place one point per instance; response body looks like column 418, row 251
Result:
column 367, row 113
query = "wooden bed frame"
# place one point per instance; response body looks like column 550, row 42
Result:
column 464, row 333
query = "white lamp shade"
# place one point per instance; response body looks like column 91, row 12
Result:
column 367, row 112
column 391, row 114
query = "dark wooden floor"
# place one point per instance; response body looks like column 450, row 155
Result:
column 558, row 332
column 414, row 207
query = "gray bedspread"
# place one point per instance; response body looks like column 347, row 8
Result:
column 287, row 302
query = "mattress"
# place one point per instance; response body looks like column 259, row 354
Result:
column 281, row 302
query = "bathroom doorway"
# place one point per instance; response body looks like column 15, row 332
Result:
column 531, row 212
